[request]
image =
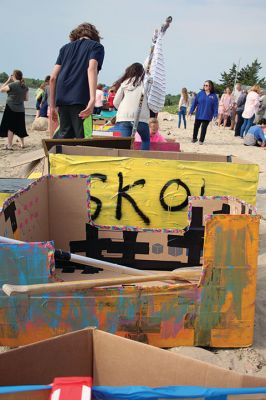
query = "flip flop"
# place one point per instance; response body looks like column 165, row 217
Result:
column 9, row 148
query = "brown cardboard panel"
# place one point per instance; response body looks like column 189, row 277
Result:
column 67, row 210
column 28, row 157
column 90, row 151
column 83, row 151
column 119, row 361
column 36, row 395
column 108, row 142
column 28, row 222
column 40, row 363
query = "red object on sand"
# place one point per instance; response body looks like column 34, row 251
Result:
column 71, row 388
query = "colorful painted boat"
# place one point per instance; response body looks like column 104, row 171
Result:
column 215, row 310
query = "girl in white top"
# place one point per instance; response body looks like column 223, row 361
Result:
column 183, row 106
column 129, row 90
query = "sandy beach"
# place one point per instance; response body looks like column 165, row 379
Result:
column 218, row 141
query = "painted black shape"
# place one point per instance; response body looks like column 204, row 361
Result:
column 122, row 192
column 202, row 189
column 193, row 238
column 103, row 178
column 129, row 248
column 166, row 186
column 10, row 213
column 225, row 209
column 58, row 149
column 243, row 209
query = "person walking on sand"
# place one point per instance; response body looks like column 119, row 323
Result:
column 225, row 106
column 74, row 78
column 206, row 105
column 129, row 88
column 182, row 107
column 13, row 121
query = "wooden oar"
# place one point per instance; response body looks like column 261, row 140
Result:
column 92, row 262
column 88, row 284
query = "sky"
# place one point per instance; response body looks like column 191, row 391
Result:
column 204, row 39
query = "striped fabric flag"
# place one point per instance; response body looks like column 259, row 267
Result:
column 71, row 388
column 157, row 90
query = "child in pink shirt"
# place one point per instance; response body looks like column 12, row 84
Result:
column 155, row 136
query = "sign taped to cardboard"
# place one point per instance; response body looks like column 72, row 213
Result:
column 153, row 194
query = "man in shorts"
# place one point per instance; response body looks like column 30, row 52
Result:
column 74, row 79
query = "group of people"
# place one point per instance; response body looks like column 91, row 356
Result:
column 241, row 108
column 73, row 95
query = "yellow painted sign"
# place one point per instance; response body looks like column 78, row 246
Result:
column 153, row 193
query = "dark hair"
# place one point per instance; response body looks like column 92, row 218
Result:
column 134, row 73
column 100, row 86
column 262, row 121
column 212, row 90
column 87, row 30
column 19, row 77
column 47, row 79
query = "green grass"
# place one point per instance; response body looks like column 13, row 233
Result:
column 170, row 109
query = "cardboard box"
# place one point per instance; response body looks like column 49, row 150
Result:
column 106, row 142
column 111, row 361
column 214, row 309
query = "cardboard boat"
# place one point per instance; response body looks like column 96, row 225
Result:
column 117, row 362
column 215, row 308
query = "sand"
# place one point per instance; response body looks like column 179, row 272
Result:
column 218, row 141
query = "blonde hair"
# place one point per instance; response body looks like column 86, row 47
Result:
column 185, row 94
column 255, row 88
column 153, row 121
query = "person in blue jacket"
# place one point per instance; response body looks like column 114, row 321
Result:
column 206, row 103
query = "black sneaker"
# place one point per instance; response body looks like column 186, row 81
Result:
column 194, row 140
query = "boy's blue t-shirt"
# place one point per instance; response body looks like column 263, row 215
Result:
column 72, row 82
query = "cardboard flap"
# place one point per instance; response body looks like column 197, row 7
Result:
column 118, row 361
column 29, row 157
column 40, row 363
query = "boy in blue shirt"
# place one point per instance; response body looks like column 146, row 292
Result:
column 256, row 134
column 74, row 79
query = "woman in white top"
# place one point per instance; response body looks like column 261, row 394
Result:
column 183, row 106
column 129, row 90
column 251, row 108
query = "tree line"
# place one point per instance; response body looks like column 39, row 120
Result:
column 30, row 82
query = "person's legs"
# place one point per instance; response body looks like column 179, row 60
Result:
column 144, row 132
column 196, row 130
column 239, row 122
column 204, row 126
column 243, row 126
column 22, row 143
column 249, row 124
column 76, row 121
column 220, row 119
column 10, row 137
column 65, row 126
column 179, row 118
column 225, row 120
column 125, row 128
column 184, row 111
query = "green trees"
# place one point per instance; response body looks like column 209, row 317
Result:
column 30, row 82
column 247, row 75
column 3, row 77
